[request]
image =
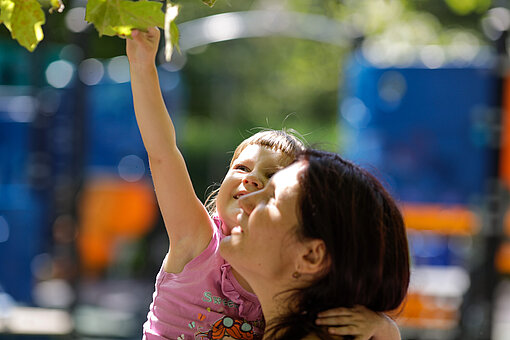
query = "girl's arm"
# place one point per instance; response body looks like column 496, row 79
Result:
column 186, row 220
column 359, row 322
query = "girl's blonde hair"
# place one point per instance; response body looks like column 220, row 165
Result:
column 277, row 140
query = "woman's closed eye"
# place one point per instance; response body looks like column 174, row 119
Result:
column 270, row 174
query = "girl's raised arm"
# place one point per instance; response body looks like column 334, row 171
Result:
column 186, row 219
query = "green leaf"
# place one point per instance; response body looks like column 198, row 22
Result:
column 174, row 34
column 209, row 3
column 464, row 7
column 23, row 18
column 119, row 17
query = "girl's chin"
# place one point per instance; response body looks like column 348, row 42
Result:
column 226, row 230
column 228, row 223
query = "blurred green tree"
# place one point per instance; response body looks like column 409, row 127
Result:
column 274, row 82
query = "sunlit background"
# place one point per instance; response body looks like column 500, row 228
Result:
column 415, row 91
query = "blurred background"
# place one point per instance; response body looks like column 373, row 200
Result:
column 415, row 91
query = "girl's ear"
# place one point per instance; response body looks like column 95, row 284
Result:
column 314, row 258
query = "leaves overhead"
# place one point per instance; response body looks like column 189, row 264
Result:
column 23, row 18
column 464, row 7
column 119, row 17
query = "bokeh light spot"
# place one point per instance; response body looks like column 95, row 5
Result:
column 392, row 87
column 4, row 230
column 59, row 73
column 22, row 108
column 131, row 168
column 91, row 71
column 355, row 112
column 75, row 20
column 118, row 69
column 432, row 56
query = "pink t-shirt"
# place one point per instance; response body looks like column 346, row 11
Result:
column 204, row 301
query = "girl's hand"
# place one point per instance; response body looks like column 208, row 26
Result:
column 358, row 322
column 142, row 47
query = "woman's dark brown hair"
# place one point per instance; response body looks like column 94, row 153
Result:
column 363, row 230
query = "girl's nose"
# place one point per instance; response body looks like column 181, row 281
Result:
column 254, row 181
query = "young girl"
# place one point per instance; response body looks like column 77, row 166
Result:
column 197, row 294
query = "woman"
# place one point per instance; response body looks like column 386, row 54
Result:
column 322, row 233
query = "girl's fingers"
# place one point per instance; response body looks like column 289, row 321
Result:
column 153, row 33
column 360, row 309
column 137, row 35
column 153, row 30
column 335, row 321
column 335, row 312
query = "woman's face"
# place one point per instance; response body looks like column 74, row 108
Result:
column 265, row 242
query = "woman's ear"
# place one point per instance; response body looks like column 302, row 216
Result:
column 313, row 258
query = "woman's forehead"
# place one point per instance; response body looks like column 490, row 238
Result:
column 288, row 178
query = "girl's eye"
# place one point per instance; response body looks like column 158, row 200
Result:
column 242, row 167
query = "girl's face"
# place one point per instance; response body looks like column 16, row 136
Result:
column 264, row 245
column 249, row 172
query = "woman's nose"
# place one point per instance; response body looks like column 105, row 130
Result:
column 248, row 202
column 253, row 181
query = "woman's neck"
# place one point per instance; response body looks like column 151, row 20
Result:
column 273, row 300
column 241, row 280
column 274, row 295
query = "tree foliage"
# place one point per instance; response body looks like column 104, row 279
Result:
column 464, row 7
column 24, row 18
column 276, row 81
column 119, row 17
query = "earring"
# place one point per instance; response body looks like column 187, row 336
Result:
column 296, row 275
